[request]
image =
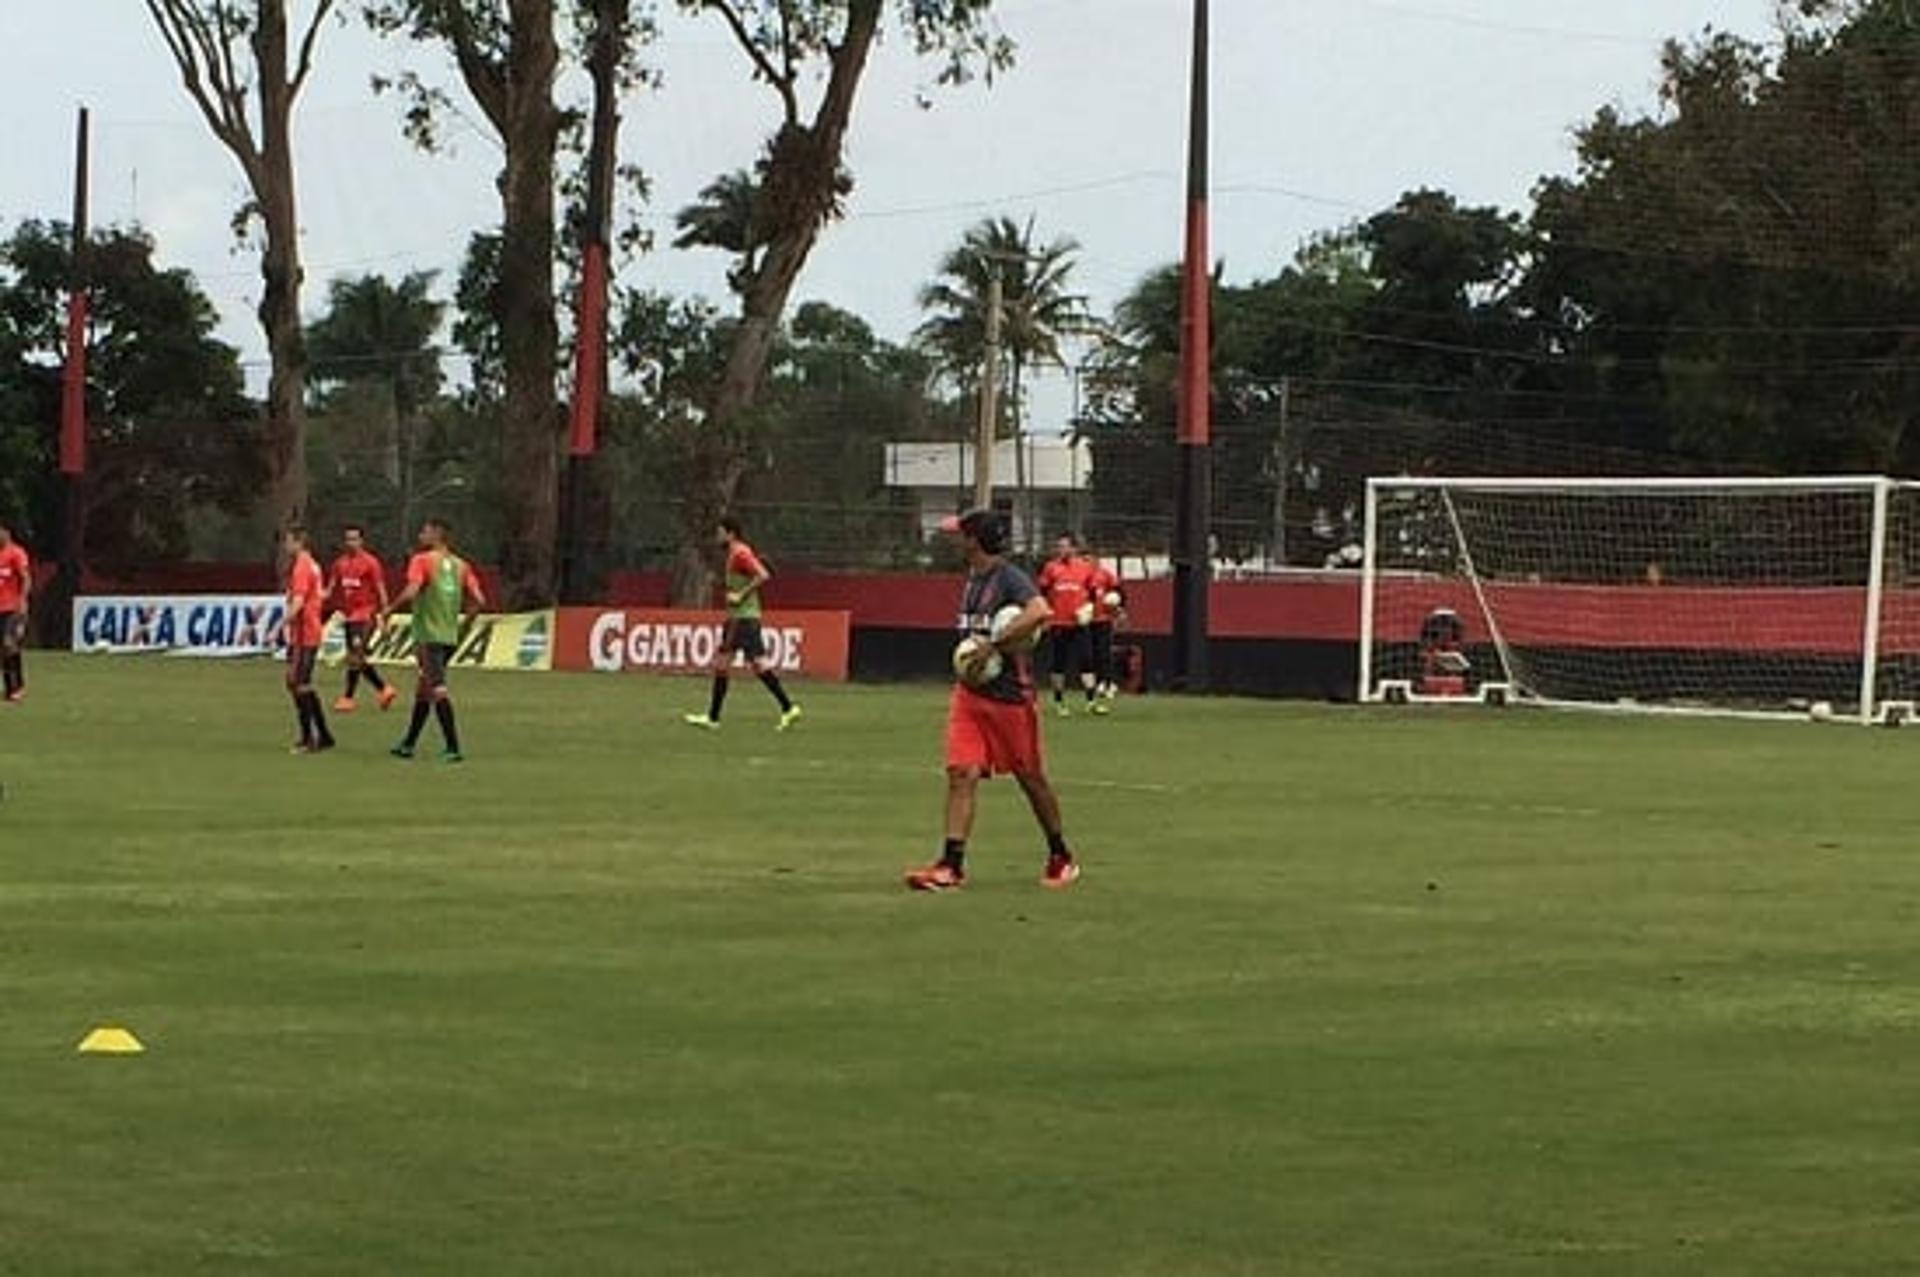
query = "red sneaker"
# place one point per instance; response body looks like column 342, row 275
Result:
column 939, row 876
column 1062, row 872
column 344, row 705
column 387, row 697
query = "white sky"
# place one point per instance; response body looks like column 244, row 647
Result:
column 1325, row 110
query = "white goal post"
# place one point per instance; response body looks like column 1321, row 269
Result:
column 1750, row 597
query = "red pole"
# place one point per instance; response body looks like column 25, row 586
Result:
column 590, row 353
column 1193, row 499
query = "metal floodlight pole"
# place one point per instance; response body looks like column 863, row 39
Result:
column 1193, row 500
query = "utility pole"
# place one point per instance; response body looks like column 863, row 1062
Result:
column 989, row 395
column 1280, row 472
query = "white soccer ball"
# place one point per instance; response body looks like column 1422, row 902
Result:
column 1820, row 711
column 1005, row 619
column 1112, row 598
column 976, row 661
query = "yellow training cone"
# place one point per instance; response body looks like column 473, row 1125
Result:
column 110, row 1040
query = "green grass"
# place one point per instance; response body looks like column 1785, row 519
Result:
column 1342, row 991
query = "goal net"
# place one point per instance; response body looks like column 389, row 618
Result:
column 1729, row 596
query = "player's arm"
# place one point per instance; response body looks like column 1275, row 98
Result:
column 407, row 595
column 757, row 577
column 380, row 587
column 476, row 598
column 26, row 586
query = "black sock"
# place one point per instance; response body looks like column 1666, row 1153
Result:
column 1091, row 690
column 373, row 678
column 353, row 681
column 318, row 714
column 420, row 711
column 16, row 675
column 1059, row 694
column 954, row 855
column 301, row 712
column 772, row 681
column 720, row 682
column 1057, row 846
column 443, row 710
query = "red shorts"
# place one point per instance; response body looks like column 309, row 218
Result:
column 999, row 738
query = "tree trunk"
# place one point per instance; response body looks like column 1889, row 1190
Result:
column 281, row 273
column 531, row 433
column 801, row 176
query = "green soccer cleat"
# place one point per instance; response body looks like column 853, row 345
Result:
column 452, row 756
column 402, row 750
column 702, row 722
column 1099, row 709
column 789, row 718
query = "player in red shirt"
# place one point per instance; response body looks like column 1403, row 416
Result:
column 357, row 589
column 1108, row 604
column 993, row 726
column 1067, row 581
column 306, row 601
column 16, row 596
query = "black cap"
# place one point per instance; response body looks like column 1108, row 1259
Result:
column 988, row 527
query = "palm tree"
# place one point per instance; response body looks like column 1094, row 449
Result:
column 380, row 336
column 1039, row 311
column 727, row 216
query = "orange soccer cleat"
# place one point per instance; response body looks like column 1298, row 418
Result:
column 387, row 697
column 1062, row 872
column 344, row 705
column 939, row 876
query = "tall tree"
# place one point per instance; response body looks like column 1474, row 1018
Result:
column 174, row 433
column 229, row 52
column 508, row 53
column 1039, row 311
column 801, row 182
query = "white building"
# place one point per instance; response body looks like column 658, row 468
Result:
column 1059, row 474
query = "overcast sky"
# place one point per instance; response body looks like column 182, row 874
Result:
column 1325, row 110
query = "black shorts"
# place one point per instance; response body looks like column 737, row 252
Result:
column 433, row 660
column 1070, row 650
column 1103, row 650
column 13, row 631
column 358, row 633
column 300, row 665
column 743, row 635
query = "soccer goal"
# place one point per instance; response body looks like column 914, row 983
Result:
column 1756, row 597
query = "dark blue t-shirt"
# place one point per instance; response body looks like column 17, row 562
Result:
column 1000, row 585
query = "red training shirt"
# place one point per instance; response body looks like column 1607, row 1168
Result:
column 304, row 627
column 1068, row 585
column 356, row 586
column 14, row 569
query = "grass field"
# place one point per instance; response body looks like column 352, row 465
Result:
column 1342, row 991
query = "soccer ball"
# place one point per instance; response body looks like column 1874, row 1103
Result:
column 976, row 661
column 1821, row 711
column 1112, row 598
column 1005, row 619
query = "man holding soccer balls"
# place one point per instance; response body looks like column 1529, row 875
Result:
column 993, row 723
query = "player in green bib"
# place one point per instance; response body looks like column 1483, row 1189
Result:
column 742, row 636
column 440, row 585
